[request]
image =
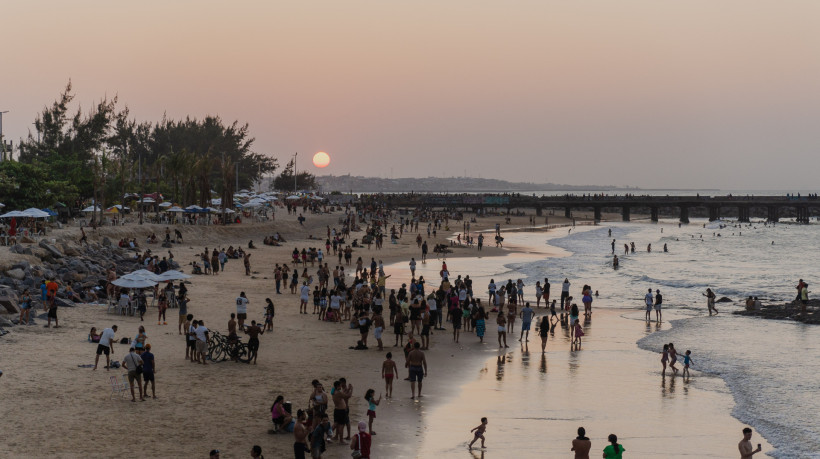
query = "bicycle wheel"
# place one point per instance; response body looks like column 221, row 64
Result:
column 242, row 353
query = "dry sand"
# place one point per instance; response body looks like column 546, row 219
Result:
column 53, row 408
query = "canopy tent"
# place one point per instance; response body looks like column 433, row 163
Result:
column 133, row 283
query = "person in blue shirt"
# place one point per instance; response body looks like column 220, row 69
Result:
column 43, row 292
column 149, row 367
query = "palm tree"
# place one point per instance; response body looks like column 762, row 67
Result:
column 228, row 190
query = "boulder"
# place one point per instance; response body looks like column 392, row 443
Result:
column 106, row 242
column 9, row 303
column 22, row 264
column 17, row 248
column 16, row 273
column 53, row 251
column 724, row 300
column 26, row 240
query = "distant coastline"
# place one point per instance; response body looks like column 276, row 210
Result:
column 346, row 183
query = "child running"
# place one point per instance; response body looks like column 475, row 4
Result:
column 479, row 433
column 372, row 402
column 687, row 360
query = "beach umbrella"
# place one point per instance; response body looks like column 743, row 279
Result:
column 112, row 210
column 165, row 204
column 193, row 207
column 12, row 214
column 291, row 198
column 175, row 209
column 142, row 274
column 133, row 283
column 50, row 212
column 172, row 275
column 91, row 209
column 2, row 205
column 34, row 212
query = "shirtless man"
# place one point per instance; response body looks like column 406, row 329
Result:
column 745, row 445
column 340, row 416
column 300, row 446
column 417, row 364
column 112, row 276
column 389, row 370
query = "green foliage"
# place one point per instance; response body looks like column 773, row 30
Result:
column 103, row 150
column 29, row 185
column 285, row 182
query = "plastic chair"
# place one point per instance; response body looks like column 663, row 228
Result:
column 119, row 388
column 122, row 306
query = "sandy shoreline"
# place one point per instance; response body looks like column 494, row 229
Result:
column 61, row 407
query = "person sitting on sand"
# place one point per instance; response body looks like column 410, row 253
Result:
column 93, row 336
column 279, row 415
column 72, row 295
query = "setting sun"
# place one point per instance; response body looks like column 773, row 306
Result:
column 321, row 159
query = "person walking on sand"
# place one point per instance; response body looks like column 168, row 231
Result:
column 613, row 450
column 417, row 365
column 745, row 445
column 710, row 301
column 253, row 332
column 581, row 445
column 480, row 325
column 106, row 346
column 304, row 295
column 673, row 358
column 564, row 292
column 543, row 331
column 687, row 360
column 478, row 432
column 389, row 370
column 578, row 332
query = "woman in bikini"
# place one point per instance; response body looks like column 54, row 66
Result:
column 502, row 328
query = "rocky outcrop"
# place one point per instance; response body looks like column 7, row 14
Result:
column 788, row 311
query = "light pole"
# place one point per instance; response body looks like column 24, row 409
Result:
column 2, row 140
column 294, row 171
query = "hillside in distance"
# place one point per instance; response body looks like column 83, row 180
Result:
column 347, row 183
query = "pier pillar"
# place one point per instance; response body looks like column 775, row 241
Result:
column 653, row 213
column 684, row 214
column 568, row 212
column 802, row 214
column 597, row 212
column 773, row 214
column 538, row 211
column 743, row 214
column 625, row 213
column 714, row 213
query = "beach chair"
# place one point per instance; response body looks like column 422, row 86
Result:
column 113, row 306
column 119, row 387
column 122, row 305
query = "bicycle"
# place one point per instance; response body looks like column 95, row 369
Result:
column 221, row 349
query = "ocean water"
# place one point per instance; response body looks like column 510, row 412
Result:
column 770, row 367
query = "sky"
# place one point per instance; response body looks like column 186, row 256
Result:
column 656, row 94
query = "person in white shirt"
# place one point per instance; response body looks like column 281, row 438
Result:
column 491, row 287
column 105, row 346
column 242, row 309
column 649, row 302
column 201, row 333
column 564, row 293
column 335, row 305
column 303, row 298
column 413, row 267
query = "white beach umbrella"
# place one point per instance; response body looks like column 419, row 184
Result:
column 193, row 207
column 175, row 209
column 142, row 274
column 13, row 213
column 91, row 209
column 291, row 198
column 172, row 275
column 35, row 213
column 133, row 283
column 165, row 204
column 2, row 205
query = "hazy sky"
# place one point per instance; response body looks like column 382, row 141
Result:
column 711, row 94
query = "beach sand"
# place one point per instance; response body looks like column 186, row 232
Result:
column 54, row 408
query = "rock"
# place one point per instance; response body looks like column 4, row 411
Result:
column 22, row 264
column 51, row 249
column 724, row 300
column 26, row 240
column 106, row 242
column 9, row 303
column 17, row 248
column 16, row 273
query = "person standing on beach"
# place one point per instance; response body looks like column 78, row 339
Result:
column 745, row 445
column 149, row 367
column 300, row 433
column 673, row 358
column 304, row 296
column 361, row 441
column 247, row 261
column 581, row 445
column 710, row 301
column 242, row 309
column 417, row 365
column 526, row 321
column 201, row 333
column 502, row 328
column 340, row 413
column 613, row 450
column 650, row 300
column 132, row 363
column 664, row 358
column 546, row 291
column 412, row 267
column 253, row 333
column 106, row 346
column 564, row 293
column 658, row 303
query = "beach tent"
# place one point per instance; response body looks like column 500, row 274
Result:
column 133, row 283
